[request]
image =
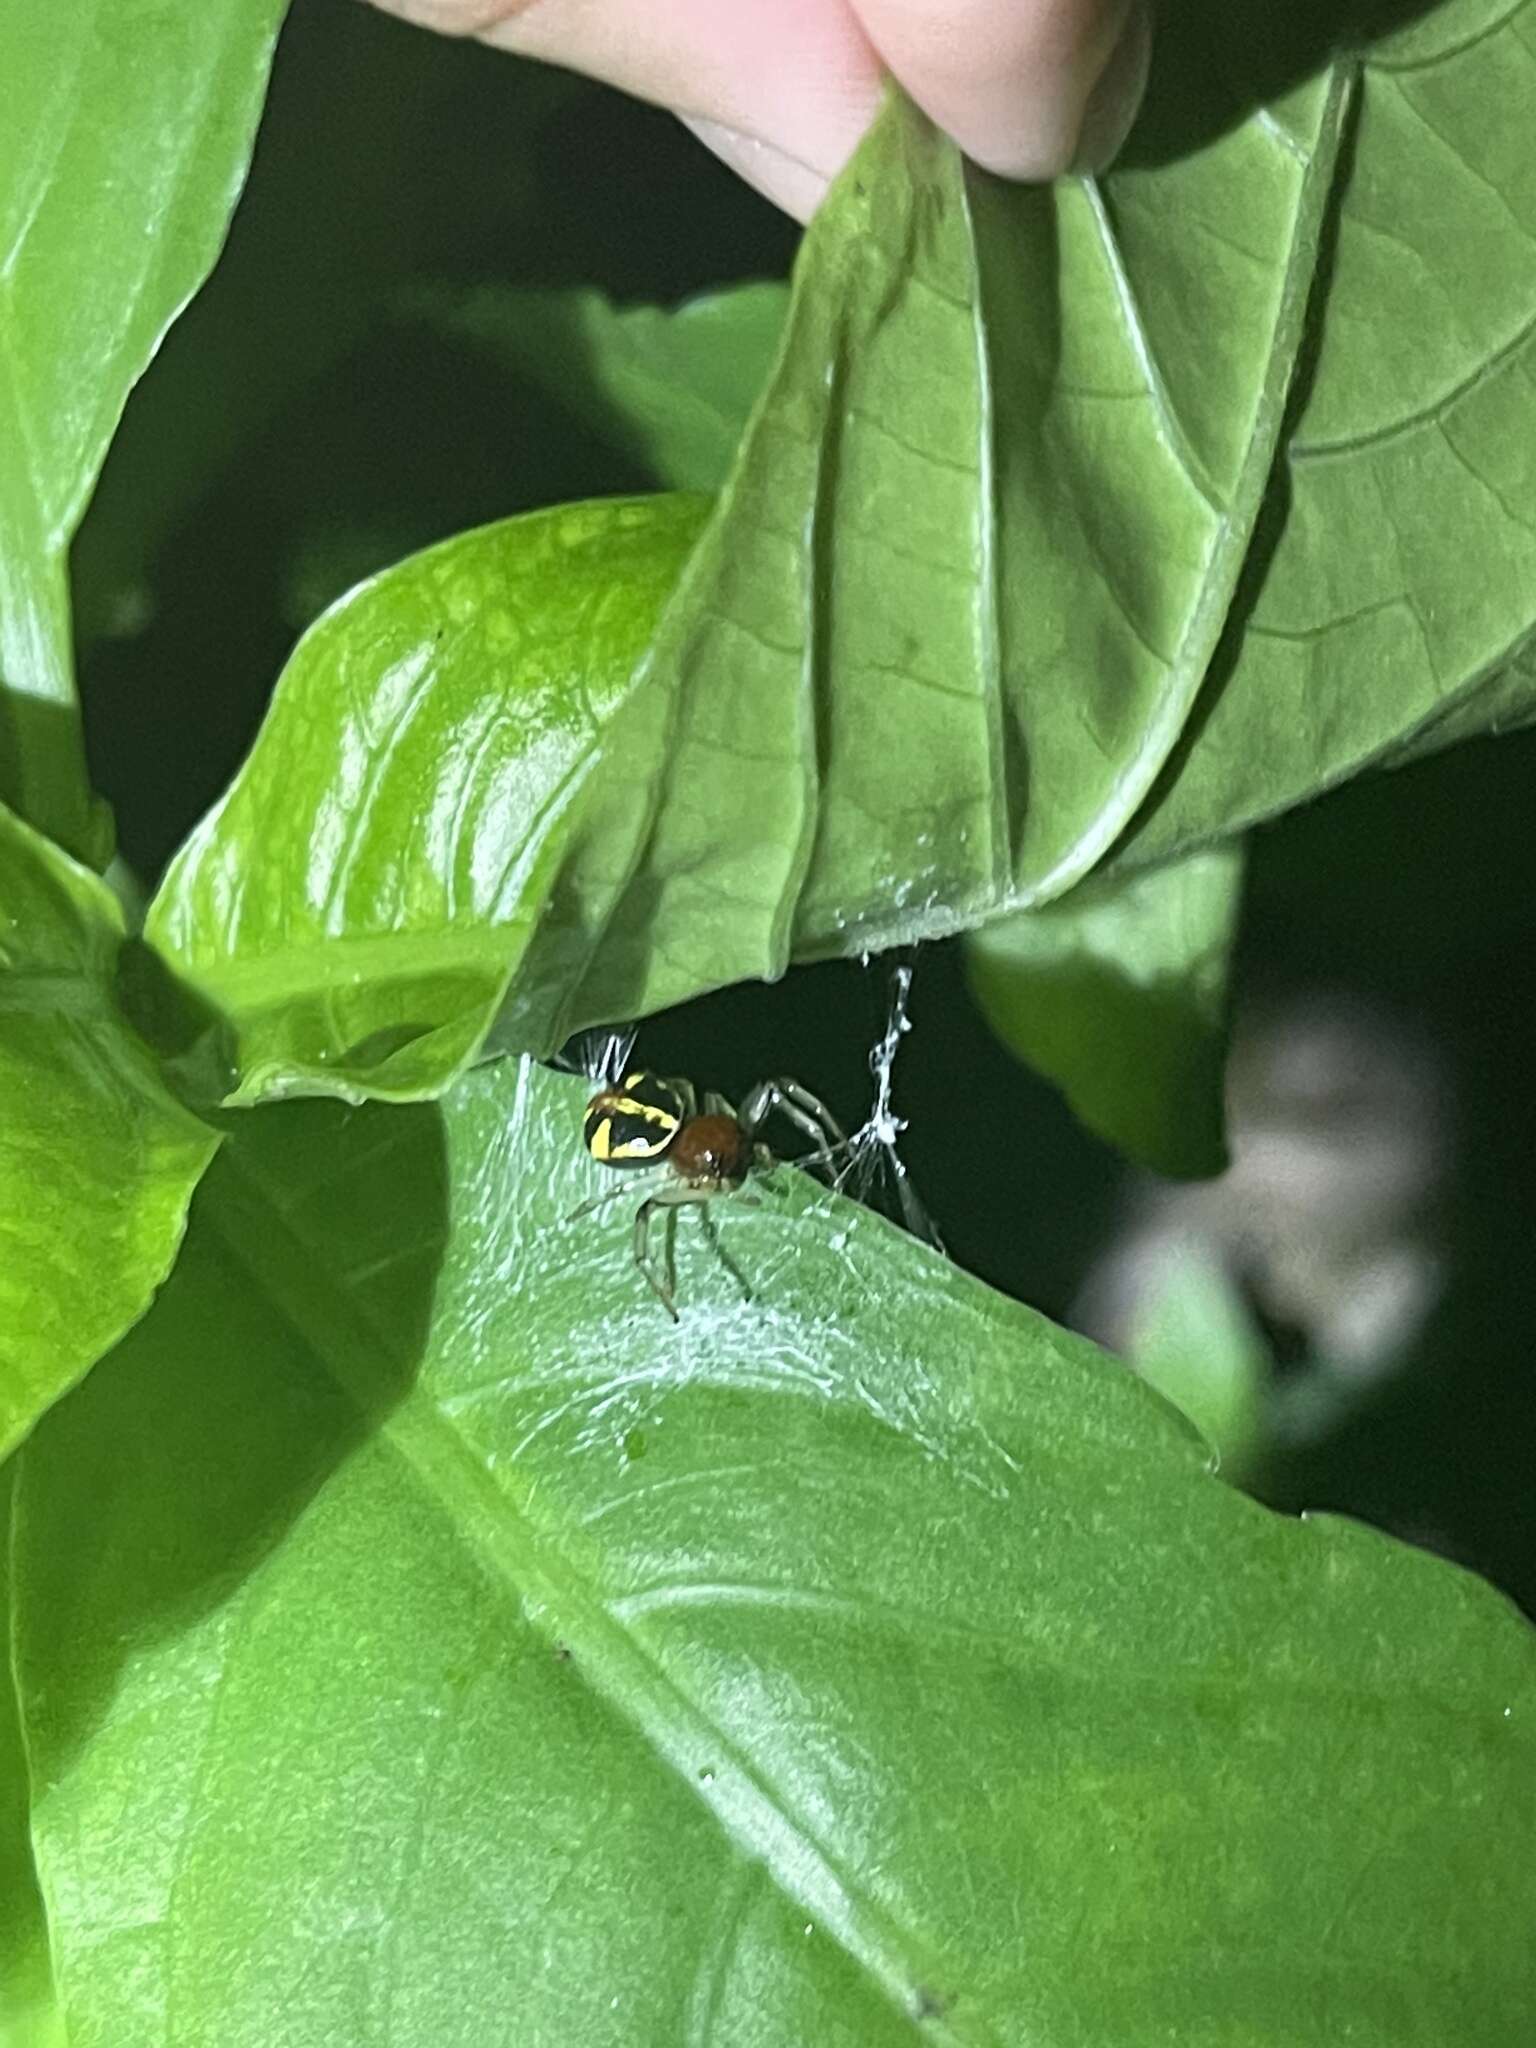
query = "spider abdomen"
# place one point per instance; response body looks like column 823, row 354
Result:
column 634, row 1123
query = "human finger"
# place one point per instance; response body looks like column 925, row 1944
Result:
column 1029, row 88
column 781, row 89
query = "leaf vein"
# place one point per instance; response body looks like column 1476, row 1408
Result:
column 1452, row 51
column 1172, row 427
column 1428, row 415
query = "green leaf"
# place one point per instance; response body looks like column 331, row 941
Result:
column 672, row 387
column 1196, row 1342
column 29, row 2015
column 97, row 1160
column 879, row 650
column 1393, row 599
column 1118, row 994
column 359, row 901
column 978, row 548
column 341, row 211
column 958, row 602
column 472, row 1656
column 125, row 142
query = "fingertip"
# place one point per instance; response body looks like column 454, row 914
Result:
column 1116, row 98
column 795, row 187
column 781, row 90
column 1028, row 88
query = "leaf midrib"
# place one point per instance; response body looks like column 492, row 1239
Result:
column 1207, row 617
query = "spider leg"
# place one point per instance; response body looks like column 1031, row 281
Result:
column 798, row 1106
column 823, row 1156
column 711, row 1230
column 608, row 1195
column 669, row 1259
column 665, row 1285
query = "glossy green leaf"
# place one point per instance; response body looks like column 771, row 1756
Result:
column 97, row 1160
column 1393, row 599
column 1118, row 994
column 451, row 1649
column 124, row 144
column 672, row 387
column 359, row 902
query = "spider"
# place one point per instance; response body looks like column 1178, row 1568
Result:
column 643, row 1122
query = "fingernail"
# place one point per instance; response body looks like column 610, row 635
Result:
column 1116, row 99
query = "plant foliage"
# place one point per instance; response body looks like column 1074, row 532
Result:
column 412, row 1634
column 410, row 1648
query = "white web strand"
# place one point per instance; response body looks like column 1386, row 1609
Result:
column 602, row 1054
column 873, row 1156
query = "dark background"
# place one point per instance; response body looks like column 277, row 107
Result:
column 303, row 426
